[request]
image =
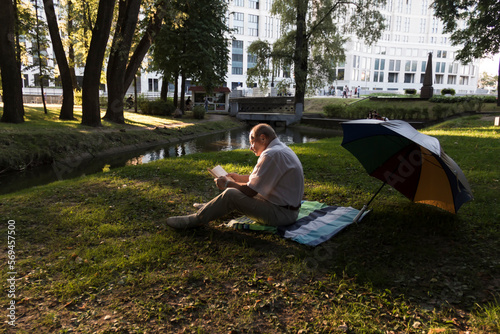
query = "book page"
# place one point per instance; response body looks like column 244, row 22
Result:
column 218, row 171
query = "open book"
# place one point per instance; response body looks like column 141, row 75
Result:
column 218, row 171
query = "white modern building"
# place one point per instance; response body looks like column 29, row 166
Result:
column 395, row 63
column 398, row 60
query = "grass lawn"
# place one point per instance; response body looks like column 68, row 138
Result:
column 92, row 255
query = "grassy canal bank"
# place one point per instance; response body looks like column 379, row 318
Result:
column 92, row 255
column 43, row 139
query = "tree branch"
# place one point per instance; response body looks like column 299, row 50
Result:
column 311, row 31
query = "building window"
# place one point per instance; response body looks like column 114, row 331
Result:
column 152, row 84
column 239, row 3
column 452, row 79
column 340, row 74
column 379, row 67
column 440, row 67
column 379, row 64
column 409, row 78
column 237, row 57
column 268, row 26
column 439, row 79
column 253, row 25
column 423, row 26
column 253, row 4
column 399, row 19
column 393, row 77
column 378, row 76
column 407, row 24
column 453, row 68
column 425, row 6
column 239, row 23
column 251, row 60
column 441, row 54
column 411, row 65
column 463, row 80
column 394, row 65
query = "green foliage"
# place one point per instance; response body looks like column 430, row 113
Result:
column 320, row 38
column 199, row 112
column 335, row 110
column 77, row 97
column 259, row 73
column 410, row 91
column 468, row 103
column 471, row 24
column 157, row 107
column 440, row 111
column 488, row 81
column 448, row 91
column 194, row 43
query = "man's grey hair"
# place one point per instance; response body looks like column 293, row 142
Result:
column 264, row 129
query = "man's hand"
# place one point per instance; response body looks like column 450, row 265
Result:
column 221, row 182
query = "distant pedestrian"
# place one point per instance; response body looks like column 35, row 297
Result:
column 359, row 91
column 130, row 102
column 206, row 104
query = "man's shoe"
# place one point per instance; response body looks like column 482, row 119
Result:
column 183, row 222
column 198, row 205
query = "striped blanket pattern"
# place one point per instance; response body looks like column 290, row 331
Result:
column 316, row 223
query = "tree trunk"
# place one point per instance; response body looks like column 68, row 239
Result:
column 183, row 92
column 164, row 89
column 498, row 84
column 176, row 89
column 62, row 62
column 300, row 58
column 128, row 13
column 91, row 113
column 40, row 63
column 147, row 39
column 13, row 109
column 71, row 49
column 135, row 95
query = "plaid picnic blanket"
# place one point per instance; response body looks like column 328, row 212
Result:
column 316, row 223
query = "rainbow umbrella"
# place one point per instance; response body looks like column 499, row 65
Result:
column 409, row 161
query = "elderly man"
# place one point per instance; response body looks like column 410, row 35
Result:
column 271, row 194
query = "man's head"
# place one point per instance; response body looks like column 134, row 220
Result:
column 260, row 137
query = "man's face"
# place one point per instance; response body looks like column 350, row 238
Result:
column 257, row 144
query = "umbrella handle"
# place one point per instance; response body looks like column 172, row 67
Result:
column 363, row 209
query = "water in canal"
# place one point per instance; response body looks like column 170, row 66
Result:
column 224, row 141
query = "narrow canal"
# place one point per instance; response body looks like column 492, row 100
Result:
column 224, row 141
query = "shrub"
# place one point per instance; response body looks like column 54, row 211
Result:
column 157, row 107
column 449, row 91
column 355, row 111
column 490, row 99
column 199, row 112
column 389, row 112
column 410, row 91
column 78, row 97
column 334, row 110
column 440, row 111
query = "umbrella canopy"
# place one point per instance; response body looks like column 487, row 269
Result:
column 409, row 161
